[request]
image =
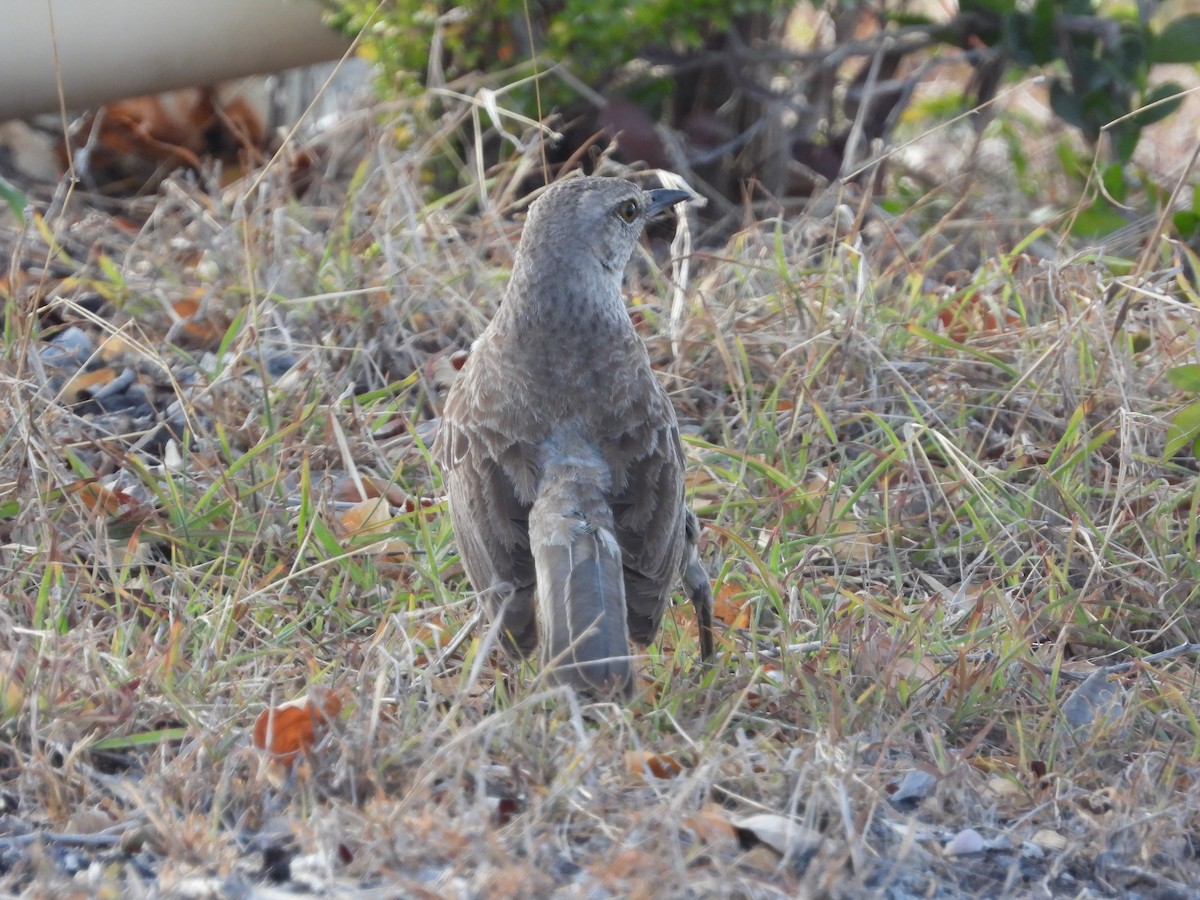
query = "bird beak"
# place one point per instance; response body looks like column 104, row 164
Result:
column 662, row 199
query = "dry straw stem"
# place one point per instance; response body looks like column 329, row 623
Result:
column 935, row 501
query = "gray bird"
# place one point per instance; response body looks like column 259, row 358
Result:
column 561, row 453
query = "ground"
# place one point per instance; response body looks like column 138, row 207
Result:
column 951, row 530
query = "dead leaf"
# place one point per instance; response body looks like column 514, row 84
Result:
column 85, row 381
column 1004, row 787
column 891, row 661
column 1050, row 840
column 197, row 327
column 785, row 836
column 728, row 609
column 373, row 516
column 144, row 138
column 710, row 825
column 98, row 498
column 288, row 730
column 114, row 347
column 643, row 764
column 973, row 315
column 435, row 636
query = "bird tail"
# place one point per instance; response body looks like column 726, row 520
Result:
column 580, row 577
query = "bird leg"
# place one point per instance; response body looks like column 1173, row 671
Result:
column 696, row 585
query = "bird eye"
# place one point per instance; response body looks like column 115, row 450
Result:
column 628, row 211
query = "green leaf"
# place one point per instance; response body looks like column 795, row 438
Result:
column 907, row 19
column 141, row 739
column 1042, row 34
column 1187, row 224
column 1066, row 104
column 1073, row 163
column 15, row 199
column 1157, row 105
column 1183, row 430
column 1115, row 186
column 1186, row 378
column 1125, row 141
column 995, row 6
column 1178, row 43
column 1097, row 221
column 941, row 340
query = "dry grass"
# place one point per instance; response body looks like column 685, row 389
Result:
column 935, row 502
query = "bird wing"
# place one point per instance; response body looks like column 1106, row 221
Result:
column 490, row 478
column 648, row 469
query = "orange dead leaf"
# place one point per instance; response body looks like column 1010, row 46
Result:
column 731, row 609
column 268, row 578
column 98, row 498
column 114, row 347
column 435, row 637
column 286, row 731
column 658, row 765
column 684, row 617
column 85, row 381
column 200, row 330
column 366, row 517
column 973, row 314
column 135, row 137
column 186, row 308
column 710, row 825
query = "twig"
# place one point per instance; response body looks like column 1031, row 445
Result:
column 52, row 837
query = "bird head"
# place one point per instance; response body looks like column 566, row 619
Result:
column 593, row 219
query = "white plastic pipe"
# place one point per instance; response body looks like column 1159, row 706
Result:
column 111, row 49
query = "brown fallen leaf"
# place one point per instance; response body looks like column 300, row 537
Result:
column 98, row 498
column 644, row 764
column 373, row 516
column 710, row 825
column 197, row 326
column 731, row 605
column 73, row 390
column 292, row 728
column 1048, row 839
